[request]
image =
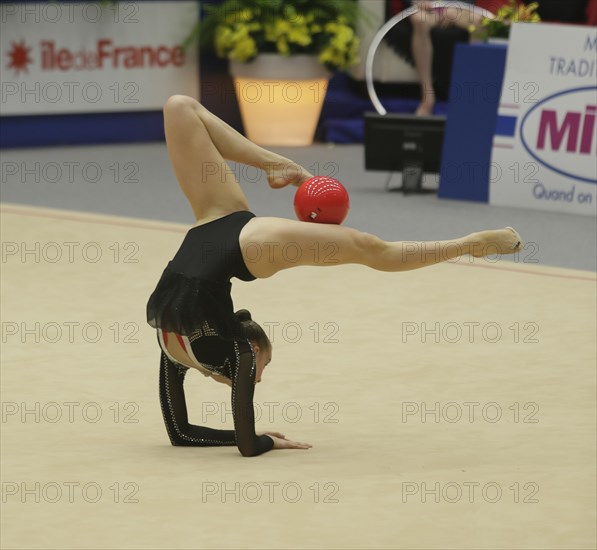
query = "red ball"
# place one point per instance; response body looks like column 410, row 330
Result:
column 321, row 199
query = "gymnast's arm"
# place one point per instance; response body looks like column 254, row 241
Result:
column 243, row 389
column 174, row 410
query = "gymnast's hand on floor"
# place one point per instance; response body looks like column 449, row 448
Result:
column 283, row 443
column 275, row 434
column 286, row 172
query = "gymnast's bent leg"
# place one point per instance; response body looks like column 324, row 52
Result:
column 199, row 143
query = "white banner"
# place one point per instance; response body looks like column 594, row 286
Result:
column 86, row 57
column 545, row 145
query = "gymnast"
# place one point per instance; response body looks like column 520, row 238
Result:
column 191, row 307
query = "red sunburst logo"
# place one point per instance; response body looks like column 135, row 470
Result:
column 19, row 57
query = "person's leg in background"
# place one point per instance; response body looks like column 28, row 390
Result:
column 422, row 50
column 423, row 22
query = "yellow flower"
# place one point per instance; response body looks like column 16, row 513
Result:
column 242, row 30
column 269, row 32
column 343, row 48
column 529, row 13
column 239, row 16
column 236, row 42
column 299, row 21
column 223, row 40
column 502, row 13
column 282, row 26
column 244, row 50
column 295, row 32
column 299, row 36
column 345, row 34
column 332, row 26
column 282, row 45
column 328, row 55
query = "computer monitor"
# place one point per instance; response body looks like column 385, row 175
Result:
column 408, row 144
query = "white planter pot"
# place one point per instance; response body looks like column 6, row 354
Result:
column 280, row 98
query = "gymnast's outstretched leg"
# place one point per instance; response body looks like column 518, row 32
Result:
column 270, row 245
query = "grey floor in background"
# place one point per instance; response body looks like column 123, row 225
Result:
column 137, row 181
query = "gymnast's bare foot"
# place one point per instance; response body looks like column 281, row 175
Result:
column 499, row 241
column 285, row 172
column 425, row 109
column 426, row 106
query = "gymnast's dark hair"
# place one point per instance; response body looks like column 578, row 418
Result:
column 252, row 330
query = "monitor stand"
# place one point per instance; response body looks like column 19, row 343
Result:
column 412, row 181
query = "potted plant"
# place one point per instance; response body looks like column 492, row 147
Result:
column 282, row 54
column 498, row 28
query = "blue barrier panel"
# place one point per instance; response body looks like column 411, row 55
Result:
column 475, row 90
column 37, row 131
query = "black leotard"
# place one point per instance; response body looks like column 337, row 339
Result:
column 195, row 286
column 192, row 299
